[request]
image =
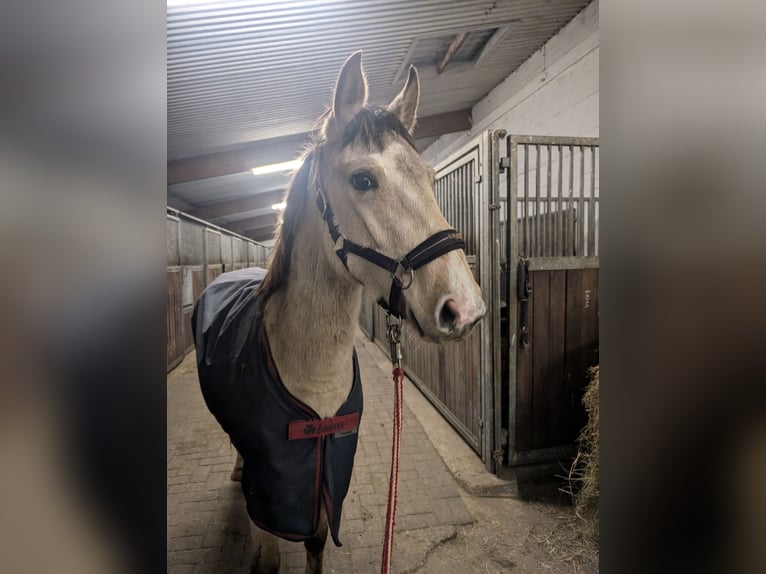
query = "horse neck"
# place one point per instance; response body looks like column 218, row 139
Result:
column 311, row 322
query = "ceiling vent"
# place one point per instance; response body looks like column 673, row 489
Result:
column 456, row 49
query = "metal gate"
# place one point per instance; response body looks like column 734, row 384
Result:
column 459, row 378
column 550, row 296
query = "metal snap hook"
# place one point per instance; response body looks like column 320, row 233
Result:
column 408, row 273
column 393, row 334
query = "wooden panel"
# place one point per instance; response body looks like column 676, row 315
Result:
column 557, row 402
column 188, row 333
column 448, row 375
column 198, row 282
column 542, row 386
column 213, row 271
column 552, row 371
column 581, row 340
column 174, row 319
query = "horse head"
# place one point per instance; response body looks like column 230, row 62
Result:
column 381, row 195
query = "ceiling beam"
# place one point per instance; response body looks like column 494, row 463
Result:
column 261, row 234
column 440, row 124
column 236, row 161
column 280, row 149
column 257, row 222
column 259, row 200
column 453, row 47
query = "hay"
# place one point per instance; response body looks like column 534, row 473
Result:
column 584, row 472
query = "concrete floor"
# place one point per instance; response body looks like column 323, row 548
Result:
column 452, row 516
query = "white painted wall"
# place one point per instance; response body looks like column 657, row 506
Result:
column 555, row 92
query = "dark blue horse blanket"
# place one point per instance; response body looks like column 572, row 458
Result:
column 294, row 461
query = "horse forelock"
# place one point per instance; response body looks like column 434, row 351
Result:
column 368, row 129
column 370, row 126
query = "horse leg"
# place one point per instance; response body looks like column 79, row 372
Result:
column 236, row 473
column 315, row 547
column 266, row 557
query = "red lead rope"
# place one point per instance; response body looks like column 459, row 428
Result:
column 393, row 484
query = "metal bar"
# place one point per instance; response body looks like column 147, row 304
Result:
column 554, row 200
column 554, row 140
column 466, row 189
column 178, row 240
column 562, row 263
column 463, row 198
column 205, row 258
column 208, row 225
column 486, row 343
column 592, row 205
column 526, row 200
column 548, row 219
column 495, row 335
column 537, row 221
column 451, row 194
column 512, row 251
column 476, row 187
column 560, row 214
column 570, row 203
column 581, row 214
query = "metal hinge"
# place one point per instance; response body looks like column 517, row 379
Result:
column 494, row 206
column 505, row 162
column 498, row 456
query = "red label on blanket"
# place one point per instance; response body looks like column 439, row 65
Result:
column 314, row 429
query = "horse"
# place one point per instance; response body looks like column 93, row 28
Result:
column 360, row 216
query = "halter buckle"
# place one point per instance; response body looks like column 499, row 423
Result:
column 407, row 273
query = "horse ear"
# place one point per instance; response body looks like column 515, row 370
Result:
column 350, row 94
column 405, row 105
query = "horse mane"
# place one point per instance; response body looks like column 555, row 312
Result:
column 295, row 199
column 367, row 129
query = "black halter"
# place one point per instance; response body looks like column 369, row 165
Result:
column 401, row 270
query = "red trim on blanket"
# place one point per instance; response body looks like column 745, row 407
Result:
column 313, row 429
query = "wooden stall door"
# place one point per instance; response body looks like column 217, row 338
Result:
column 552, row 370
column 552, row 216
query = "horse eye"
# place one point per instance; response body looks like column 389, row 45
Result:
column 363, row 181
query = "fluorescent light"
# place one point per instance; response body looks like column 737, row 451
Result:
column 195, row 2
column 278, row 206
column 274, row 167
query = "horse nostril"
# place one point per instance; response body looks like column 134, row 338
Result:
column 447, row 316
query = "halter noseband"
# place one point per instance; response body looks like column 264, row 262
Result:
column 401, row 270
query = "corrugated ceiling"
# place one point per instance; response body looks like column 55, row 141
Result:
column 239, row 72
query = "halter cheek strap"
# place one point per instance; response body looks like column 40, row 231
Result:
column 401, row 270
